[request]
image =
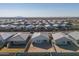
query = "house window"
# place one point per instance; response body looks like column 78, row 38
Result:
column 64, row 42
column 68, row 42
column 38, row 41
column 45, row 40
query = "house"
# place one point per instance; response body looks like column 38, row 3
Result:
column 40, row 37
column 19, row 27
column 4, row 37
column 40, row 27
column 18, row 40
column 1, row 42
column 62, row 26
column 49, row 27
column 7, row 27
column 41, row 40
column 4, row 26
column 75, row 37
column 61, row 39
column 55, row 26
column 30, row 27
column 12, row 26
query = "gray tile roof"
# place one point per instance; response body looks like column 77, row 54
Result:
column 6, row 35
column 74, row 35
column 19, row 37
column 40, row 34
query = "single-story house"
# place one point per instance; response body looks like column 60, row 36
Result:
column 4, row 27
column 18, row 40
column 55, row 26
column 30, row 27
column 49, row 27
column 1, row 42
column 61, row 39
column 4, row 37
column 75, row 37
column 41, row 40
column 65, row 25
column 62, row 26
column 40, row 37
column 40, row 27
column 12, row 26
column 19, row 27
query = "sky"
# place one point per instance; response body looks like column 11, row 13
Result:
column 39, row 10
